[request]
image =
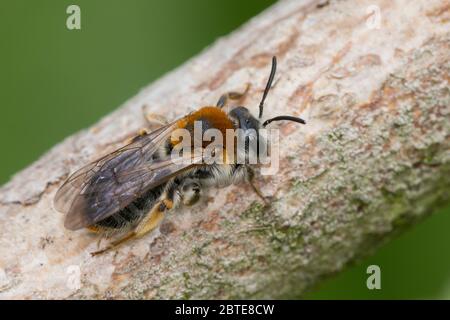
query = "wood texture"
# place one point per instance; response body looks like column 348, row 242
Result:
column 373, row 158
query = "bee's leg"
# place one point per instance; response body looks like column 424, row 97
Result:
column 98, row 230
column 129, row 138
column 250, row 177
column 147, row 224
column 231, row 96
column 94, row 228
column 153, row 220
column 190, row 192
column 142, row 132
column 114, row 244
column 153, row 120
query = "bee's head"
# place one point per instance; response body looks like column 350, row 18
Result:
column 249, row 125
column 244, row 119
column 247, row 133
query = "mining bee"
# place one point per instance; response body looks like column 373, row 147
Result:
column 128, row 192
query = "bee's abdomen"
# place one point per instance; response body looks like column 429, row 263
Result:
column 134, row 211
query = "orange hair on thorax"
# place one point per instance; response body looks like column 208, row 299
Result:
column 215, row 116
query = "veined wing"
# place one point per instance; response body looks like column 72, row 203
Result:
column 109, row 184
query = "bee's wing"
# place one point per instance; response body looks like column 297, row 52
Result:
column 103, row 187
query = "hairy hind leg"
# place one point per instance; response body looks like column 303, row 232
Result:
column 147, row 224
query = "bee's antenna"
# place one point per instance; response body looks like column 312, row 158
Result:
column 289, row 118
column 268, row 85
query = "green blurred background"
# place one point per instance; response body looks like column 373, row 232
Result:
column 55, row 81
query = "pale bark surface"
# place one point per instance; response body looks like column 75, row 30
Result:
column 373, row 158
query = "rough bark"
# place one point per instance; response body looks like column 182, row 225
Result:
column 374, row 157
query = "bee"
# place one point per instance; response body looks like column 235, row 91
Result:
column 129, row 191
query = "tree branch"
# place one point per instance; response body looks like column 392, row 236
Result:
column 373, row 158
